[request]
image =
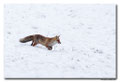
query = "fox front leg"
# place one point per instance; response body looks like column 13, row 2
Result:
column 49, row 47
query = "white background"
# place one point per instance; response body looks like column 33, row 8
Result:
column 44, row 1
column 86, row 56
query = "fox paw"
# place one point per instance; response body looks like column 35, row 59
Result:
column 49, row 48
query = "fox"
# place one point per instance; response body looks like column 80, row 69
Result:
column 48, row 42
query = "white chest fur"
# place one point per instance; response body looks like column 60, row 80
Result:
column 53, row 43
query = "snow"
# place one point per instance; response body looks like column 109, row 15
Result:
column 87, row 34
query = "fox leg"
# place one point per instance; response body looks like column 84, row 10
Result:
column 33, row 43
column 49, row 47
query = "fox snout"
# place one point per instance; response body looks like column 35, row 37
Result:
column 58, row 41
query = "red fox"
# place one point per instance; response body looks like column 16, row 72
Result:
column 39, row 39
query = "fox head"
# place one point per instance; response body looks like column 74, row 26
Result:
column 57, row 39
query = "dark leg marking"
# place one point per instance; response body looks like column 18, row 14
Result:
column 49, row 47
column 32, row 43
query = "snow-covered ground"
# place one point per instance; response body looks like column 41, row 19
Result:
column 87, row 34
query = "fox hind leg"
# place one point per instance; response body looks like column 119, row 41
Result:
column 33, row 43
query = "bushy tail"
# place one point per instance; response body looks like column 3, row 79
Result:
column 26, row 39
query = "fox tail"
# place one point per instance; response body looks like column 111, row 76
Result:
column 26, row 39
